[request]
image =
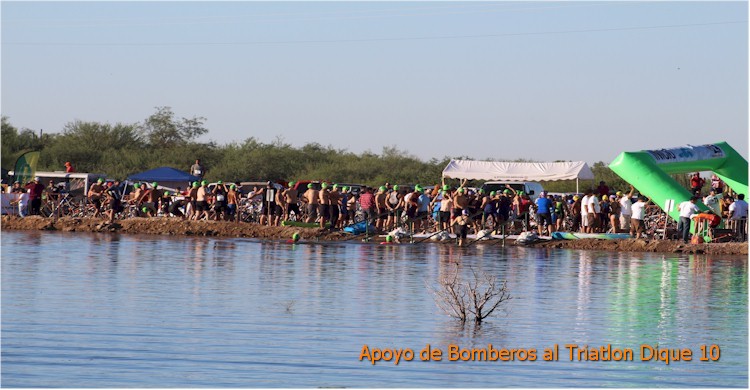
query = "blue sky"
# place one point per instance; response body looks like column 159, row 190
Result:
column 537, row 80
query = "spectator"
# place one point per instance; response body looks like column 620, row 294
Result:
column 544, row 213
column 602, row 189
column 716, row 184
column 738, row 216
column 696, row 183
column 69, row 167
column 35, row 189
column 625, row 209
column 687, row 210
column 712, row 201
column 638, row 214
column 197, row 169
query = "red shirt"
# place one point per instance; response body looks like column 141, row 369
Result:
column 366, row 200
column 35, row 190
column 697, row 182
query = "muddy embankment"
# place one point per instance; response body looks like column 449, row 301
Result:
column 177, row 227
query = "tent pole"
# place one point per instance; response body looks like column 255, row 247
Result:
column 577, row 186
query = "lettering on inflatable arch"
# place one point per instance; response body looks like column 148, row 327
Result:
column 693, row 153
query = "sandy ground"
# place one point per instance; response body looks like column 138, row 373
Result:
column 176, row 227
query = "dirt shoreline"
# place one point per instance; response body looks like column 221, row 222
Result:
column 176, row 227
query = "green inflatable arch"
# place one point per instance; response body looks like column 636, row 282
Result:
column 649, row 171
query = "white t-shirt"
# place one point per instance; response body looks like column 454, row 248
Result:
column 585, row 205
column 593, row 204
column 738, row 209
column 712, row 202
column 639, row 210
column 625, row 204
column 687, row 208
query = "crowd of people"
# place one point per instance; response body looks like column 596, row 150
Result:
column 457, row 209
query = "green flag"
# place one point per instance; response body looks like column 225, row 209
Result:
column 26, row 167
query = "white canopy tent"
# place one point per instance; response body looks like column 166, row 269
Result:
column 518, row 171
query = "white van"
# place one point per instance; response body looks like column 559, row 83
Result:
column 533, row 189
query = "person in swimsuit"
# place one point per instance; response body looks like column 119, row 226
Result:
column 291, row 202
column 324, row 207
column 381, row 208
column 462, row 223
column 310, row 198
column 395, row 205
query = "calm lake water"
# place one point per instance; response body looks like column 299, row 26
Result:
column 82, row 310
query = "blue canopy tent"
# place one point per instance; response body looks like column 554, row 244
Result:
column 165, row 176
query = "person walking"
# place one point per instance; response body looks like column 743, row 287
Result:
column 687, row 210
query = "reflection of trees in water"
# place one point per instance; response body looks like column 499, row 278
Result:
column 473, row 334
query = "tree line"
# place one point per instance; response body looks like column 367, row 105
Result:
column 162, row 139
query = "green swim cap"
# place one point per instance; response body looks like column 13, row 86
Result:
column 492, row 193
column 445, row 193
column 418, row 188
column 520, row 192
column 195, row 184
column 446, row 188
column 101, row 180
column 388, row 238
column 506, row 191
column 309, row 185
column 295, row 237
column 233, row 186
column 335, row 186
column 136, row 185
column 154, row 184
column 395, row 187
column 219, row 182
column 324, row 185
column 481, row 191
column 461, row 190
column 166, row 193
column 345, row 188
column 144, row 209
column 291, row 184
column 382, row 188
column 204, row 182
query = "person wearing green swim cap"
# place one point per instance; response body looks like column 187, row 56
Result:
column 151, row 200
column 460, row 202
column 291, row 202
column 334, row 197
column 324, row 204
column 291, row 184
column 296, row 237
column 381, row 208
column 201, row 202
column 395, row 206
column 312, row 201
column 96, row 196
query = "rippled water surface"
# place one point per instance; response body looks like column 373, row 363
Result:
column 104, row 310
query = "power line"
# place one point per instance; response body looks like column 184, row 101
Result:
column 361, row 40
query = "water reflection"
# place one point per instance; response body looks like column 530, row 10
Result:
column 234, row 311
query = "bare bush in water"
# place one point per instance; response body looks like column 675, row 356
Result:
column 477, row 298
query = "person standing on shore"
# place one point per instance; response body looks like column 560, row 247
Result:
column 626, row 209
column 290, row 202
column 585, row 222
column 96, row 191
column 35, row 189
column 198, row 169
column 687, row 210
column 310, row 198
column 638, row 214
column 738, row 216
column 69, row 167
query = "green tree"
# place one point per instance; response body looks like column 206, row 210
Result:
column 163, row 130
